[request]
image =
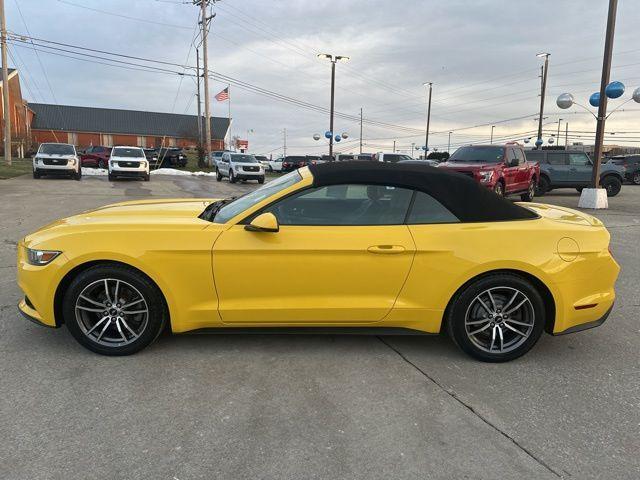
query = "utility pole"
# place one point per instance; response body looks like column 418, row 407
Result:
column 492, row 128
column 426, row 138
column 284, row 148
column 543, row 92
column 333, row 59
column 360, row 129
column 558, row 136
column 566, row 136
column 449, row 144
column 5, row 86
column 200, row 160
column 602, row 107
column 394, row 146
column 204, row 20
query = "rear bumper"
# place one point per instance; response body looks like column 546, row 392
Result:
column 586, row 326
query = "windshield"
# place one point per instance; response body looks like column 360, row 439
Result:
column 295, row 159
column 478, row 154
column 56, row 149
column 238, row 206
column 127, row 152
column 243, row 159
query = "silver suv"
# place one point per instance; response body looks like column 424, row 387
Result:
column 57, row 159
column 239, row 166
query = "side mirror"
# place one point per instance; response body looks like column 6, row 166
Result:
column 267, row 222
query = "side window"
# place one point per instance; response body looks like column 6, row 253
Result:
column 579, row 159
column 554, row 158
column 426, row 210
column 351, row 204
column 520, row 156
column 535, row 156
column 225, row 158
column 511, row 157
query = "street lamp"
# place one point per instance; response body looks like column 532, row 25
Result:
column 333, row 59
column 426, row 138
column 543, row 91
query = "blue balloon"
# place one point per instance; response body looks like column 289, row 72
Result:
column 538, row 142
column 328, row 134
column 614, row 90
column 594, row 99
column 338, row 138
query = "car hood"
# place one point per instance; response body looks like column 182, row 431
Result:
column 127, row 215
column 562, row 214
column 466, row 166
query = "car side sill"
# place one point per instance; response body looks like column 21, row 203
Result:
column 585, row 326
column 309, row 331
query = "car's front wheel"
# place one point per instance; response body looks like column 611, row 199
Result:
column 113, row 310
column 232, row 177
column 612, row 185
column 36, row 174
column 636, row 178
column 101, row 164
column 218, row 175
column 499, row 189
column 497, row 318
column 261, row 180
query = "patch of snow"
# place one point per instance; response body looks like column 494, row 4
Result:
column 174, row 171
column 94, row 172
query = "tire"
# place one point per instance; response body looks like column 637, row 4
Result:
column 36, row 174
column 612, row 185
column 635, row 179
column 579, row 189
column 232, row 177
column 78, row 174
column 111, row 177
column 481, row 340
column 543, row 186
column 106, row 334
column 147, row 177
column 498, row 189
column 531, row 191
column 101, row 164
column 261, row 180
column 218, row 175
column 270, row 169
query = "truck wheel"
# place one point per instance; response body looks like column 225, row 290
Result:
column 612, row 185
column 543, row 186
column 636, row 178
column 232, row 177
column 218, row 175
column 101, row 164
column 36, row 175
column 78, row 174
column 499, row 189
column 261, row 180
column 531, row 191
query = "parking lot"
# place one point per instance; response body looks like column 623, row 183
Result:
column 303, row 406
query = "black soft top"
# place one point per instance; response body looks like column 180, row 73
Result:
column 464, row 197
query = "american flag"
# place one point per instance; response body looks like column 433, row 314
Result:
column 223, row 95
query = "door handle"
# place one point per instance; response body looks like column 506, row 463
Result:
column 386, row 249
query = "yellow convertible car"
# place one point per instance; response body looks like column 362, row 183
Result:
column 334, row 247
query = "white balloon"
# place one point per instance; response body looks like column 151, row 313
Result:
column 527, row 140
column 316, row 137
column 565, row 101
column 551, row 140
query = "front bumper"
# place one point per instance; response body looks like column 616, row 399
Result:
column 128, row 173
column 31, row 314
column 55, row 170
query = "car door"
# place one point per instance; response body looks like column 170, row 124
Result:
column 348, row 241
column 580, row 168
column 523, row 173
column 558, row 168
column 510, row 170
column 225, row 164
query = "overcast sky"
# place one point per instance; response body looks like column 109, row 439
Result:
column 479, row 54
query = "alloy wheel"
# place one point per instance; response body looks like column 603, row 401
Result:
column 499, row 320
column 636, row 178
column 498, row 189
column 111, row 312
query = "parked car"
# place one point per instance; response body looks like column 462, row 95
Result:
column 573, row 169
column 428, row 162
column 396, row 246
column 293, row 162
column 501, row 168
column 216, row 157
column 631, row 164
column 171, row 157
column 275, row 165
column 95, row 156
column 128, row 162
column 239, row 166
column 152, row 157
column 57, row 159
column 314, row 159
column 264, row 161
column 389, row 157
column 327, row 158
column 364, row 156
column 344, row 157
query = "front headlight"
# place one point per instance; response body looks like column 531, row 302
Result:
column 41, row 257
column 144, row 163
column 72, row 162
column 486, row 176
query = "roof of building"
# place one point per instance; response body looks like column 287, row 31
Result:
column 112, row 121
column 461, row 195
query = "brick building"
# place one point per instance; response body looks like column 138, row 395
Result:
column 85, row 126
column 21, row 115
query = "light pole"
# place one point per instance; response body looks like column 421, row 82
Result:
column 543, row 91
column 333, row 59
column 449, row 144
column 492, row 128
column 558, row 136
column 426, row 138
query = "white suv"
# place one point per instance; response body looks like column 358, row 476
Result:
column 239, row 166
column 390, row 157
column 57, row 159
column 129, row 162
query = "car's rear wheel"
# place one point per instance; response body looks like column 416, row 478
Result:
column 636, row 178
column 612, row 185
column 113, row 310
column 543, row 186
column 218, row 175
column 497, row 318
column 531, row 191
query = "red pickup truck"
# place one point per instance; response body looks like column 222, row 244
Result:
column 502, row 168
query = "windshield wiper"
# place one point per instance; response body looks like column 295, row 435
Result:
column 214, row 207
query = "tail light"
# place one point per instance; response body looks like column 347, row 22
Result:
column 285, row 165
